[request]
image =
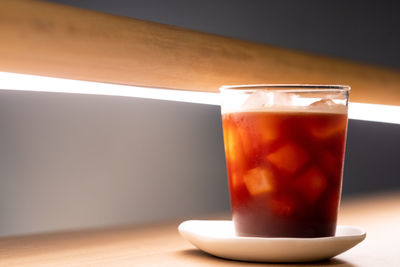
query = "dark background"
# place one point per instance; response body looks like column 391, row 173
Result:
column 367, row 31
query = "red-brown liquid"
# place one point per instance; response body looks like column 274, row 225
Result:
column 285, row 171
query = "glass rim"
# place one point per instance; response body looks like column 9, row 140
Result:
column 287, row 88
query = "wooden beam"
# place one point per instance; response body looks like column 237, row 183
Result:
column 55, row 40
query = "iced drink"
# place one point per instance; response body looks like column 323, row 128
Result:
column 285, row 167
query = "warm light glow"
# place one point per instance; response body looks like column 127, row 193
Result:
column 24, row 82
column 374, row 112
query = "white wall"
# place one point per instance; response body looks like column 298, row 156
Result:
column 73, row 161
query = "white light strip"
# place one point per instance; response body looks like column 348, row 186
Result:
column 24, row 82
column 374, row 112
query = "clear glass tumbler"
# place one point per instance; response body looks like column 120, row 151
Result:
column 284, row 148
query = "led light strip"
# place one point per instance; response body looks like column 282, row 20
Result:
column 25, row 82
column 374, row 112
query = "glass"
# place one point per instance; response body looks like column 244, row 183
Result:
column 284, row 148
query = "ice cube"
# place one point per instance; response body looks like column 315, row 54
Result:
column 235, row 181
column 259, row 180
column 258, row 99
column 323, row 103
column 226, row 133
column 284, row 205
column 283, row 99
column 233, row 146
column 267, row 128
column 327, row 105
column 289, row 158
column 325, row 128
column 311, row 184
column 246, row 140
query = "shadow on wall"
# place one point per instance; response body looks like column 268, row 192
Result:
column 372, row 158
column 75, row 161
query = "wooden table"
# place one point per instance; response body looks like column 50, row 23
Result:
column 161, row 245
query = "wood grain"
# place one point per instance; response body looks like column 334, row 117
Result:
column 161, row 245
column 61, row 41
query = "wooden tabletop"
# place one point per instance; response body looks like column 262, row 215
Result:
column 161, row 245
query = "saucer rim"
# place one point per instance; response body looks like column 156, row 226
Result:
column 361, row 233
column 270, row 249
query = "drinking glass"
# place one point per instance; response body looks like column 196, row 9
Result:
column 284, row 148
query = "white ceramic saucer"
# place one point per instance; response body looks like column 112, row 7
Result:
column 219, row 239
